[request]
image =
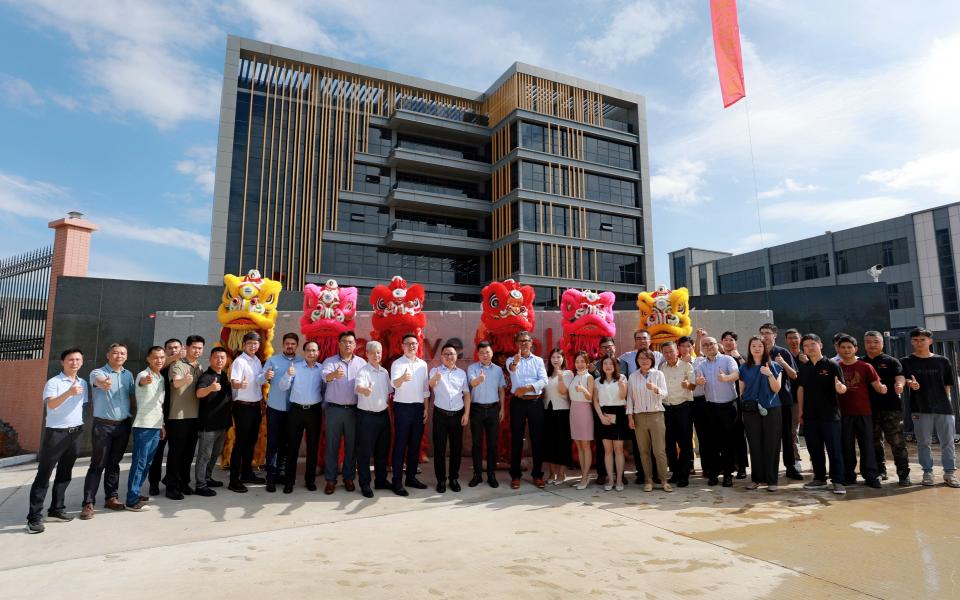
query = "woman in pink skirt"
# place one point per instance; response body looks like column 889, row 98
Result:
column 581, row 414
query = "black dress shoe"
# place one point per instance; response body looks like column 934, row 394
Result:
column 713, row 481
column 311, row 487
column 454, row 485
column 154, row 490
column 492, row 481
column 214, row 483
column 186, row 490
column 205, row 492
column 400, row 490
column 727, row 481
column 59, row 515
column 288, row 488
column 674, row 479
column 366, row 491
column 415, row 483
column 477, row 480
column 174, row 494
column 236, row 486
column 874, row 483
column 271, row 487
column 382, row 486
column 794, row 474
column 441, row 487
column 252, row 479
column 741, row 474
column 683, row 483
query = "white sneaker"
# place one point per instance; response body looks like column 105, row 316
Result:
column 951, row 480
column 927, row 478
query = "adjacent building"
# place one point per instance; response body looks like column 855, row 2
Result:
column 916, row 252
column 327, row 168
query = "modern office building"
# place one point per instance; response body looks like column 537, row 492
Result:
column 332, row 169
column 918, row 254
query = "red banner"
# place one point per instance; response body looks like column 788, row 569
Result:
column 726, row 45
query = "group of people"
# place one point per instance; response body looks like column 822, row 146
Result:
column 742, row 411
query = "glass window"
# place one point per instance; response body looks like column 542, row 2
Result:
column 804, row 269
column 861, row 258
column 741, row 281
column 363, row 218
column 679, row 271
column 900, row 295
column 370, row 179
column 436, row 185
column 380, row 141
column 608, row 153
column 612, row 228
column 440, row 147
column 948, row 281
column 343, row 259
column 620, row 268
column 610, row 189
column 440, row 224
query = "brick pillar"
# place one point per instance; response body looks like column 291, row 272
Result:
column 71, row 256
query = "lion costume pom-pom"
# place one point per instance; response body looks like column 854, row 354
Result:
column 586, row 316
column 328, row 311
column 397, row 311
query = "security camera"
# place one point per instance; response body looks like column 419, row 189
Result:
column 875, row 272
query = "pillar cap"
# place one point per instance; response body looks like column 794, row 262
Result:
column 73, row 223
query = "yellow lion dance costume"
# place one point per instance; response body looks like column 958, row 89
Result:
column 249, row 303
column 664, row 314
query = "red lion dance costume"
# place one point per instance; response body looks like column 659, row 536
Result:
column 507, row 309
column 586, row 317
column 397, row 311
column 328, row 311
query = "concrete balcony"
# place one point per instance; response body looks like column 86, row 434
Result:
column 420, row 161
column 406, row 236
column 418, row 123
column 429, row 202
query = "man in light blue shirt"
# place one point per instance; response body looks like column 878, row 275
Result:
column 486, row 411
column 528, row 377
column 277, row 415
column 64, row 397
column 451, row 413
column 113, row 391
column 303, row 382
column 717, row 374
column 340, row 412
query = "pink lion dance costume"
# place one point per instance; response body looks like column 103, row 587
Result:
column 328, row 311
column 507, row 310
column 586, row 317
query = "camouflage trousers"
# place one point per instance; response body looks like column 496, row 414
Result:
column 888, row 425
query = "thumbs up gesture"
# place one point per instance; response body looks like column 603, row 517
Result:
column 104, row 383
column 147, row 379
column 339, row 374
column 779, row 360
column 913, row 383
column 406, row 375
column 700, row 380
column 215, row 386
column 76, row 389
column 482, row 376
column 243, row 383
column 651, row 386
column 270, row 374
column 291, row 371
column 720, row 376
column 840, row 387
column 516, row 362
column 803, row 358
column 436, row 377
column 765, row 370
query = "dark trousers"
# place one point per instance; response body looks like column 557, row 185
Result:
column 741, row 454
column 182, row 442
column 277, row 436
column 764, row 436
column 700, row 425
column 857, row 431
column 408, row 427
column 526, row 412
column 820, row 435
column 299, row 420
column 373, row 441
column 156, row 467
column 246, row 429
column 719, row 449
column 786, row 437
column 484, row 421
column 58, row 451
column 109, row 444
column 340, row 422
column 679, row 434
column 447, row 429
column 888, row 425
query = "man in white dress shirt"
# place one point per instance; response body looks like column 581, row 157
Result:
column 451, row 413
column 408, row 376
column 247, row 378
column 528, row 377
column 373, row 421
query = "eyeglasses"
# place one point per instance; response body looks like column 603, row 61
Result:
column 410, row 343
column 607, row 347
column 524, row 341
column 454, row 354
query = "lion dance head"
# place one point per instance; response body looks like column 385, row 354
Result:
column 507, row 309
column 397, row 310
column 328, row 311
column 664, row 314
column 249, row 303
column 587, row 316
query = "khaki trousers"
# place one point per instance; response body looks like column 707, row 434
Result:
column 650, row 431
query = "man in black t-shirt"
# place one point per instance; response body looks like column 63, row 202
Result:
column 887, row 408
column 929, row 377
column 819, row 382
column 213, row 395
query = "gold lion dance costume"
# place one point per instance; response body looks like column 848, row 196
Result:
column 507, row 310
column 249, row 303
column 664, row 314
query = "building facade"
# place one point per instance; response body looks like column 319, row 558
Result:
column 332, row 169
column 917, row 253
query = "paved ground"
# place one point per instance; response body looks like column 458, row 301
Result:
column 554, row 543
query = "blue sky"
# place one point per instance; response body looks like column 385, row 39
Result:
column 110, row 108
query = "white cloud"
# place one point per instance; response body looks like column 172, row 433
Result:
column 788, row 185
column 678, row 183
column 939, row 171
column 68, row 102
column 754, row 241
column 31, row 199
column 200, row 164
column 287, row 24
column 131, row 229
column 837, row 214
column 135, row 53
column 18, row 93
column 633, row 33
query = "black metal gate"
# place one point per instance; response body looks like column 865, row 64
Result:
column 24, row 289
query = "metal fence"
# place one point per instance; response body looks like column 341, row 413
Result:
column 24, row 289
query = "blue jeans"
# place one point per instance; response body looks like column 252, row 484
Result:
column 144, row 445
column 924, row 424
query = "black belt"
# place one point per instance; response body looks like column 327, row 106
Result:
column 449, row 413
column 108, row 421
column 66, row 429
column 349, row 406
column 485, row 405
column 304, row 406
column 248, row 402
column 537, row 397
column 372, row 412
